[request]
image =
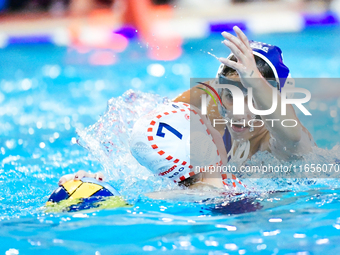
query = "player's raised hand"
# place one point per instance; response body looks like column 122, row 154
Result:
column 239, row 46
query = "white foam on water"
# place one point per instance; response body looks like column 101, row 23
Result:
column 108, row 141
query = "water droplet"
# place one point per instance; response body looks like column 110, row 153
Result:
column 212, row 55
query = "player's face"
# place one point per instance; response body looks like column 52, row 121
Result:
column 240, row 126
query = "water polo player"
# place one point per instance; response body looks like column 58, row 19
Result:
column 175, row 141
column 258, row 66
column 251, row 65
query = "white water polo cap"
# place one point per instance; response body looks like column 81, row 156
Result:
column 172, row 141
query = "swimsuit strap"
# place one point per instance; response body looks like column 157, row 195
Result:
column 227, row 140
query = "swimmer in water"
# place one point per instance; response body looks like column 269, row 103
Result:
column 258, row 66
column 163, row 141
column 251, row 65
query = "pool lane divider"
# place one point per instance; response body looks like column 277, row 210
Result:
column 30, row 39
column 321, row 19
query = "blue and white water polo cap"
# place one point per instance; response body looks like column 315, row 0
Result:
column 272, row 55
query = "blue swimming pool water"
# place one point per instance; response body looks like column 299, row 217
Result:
column 49, row 92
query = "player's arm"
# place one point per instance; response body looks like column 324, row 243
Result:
column 218, row 139
column 289, row 138
column 204, row 191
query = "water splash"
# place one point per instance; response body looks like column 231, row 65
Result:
column 108, row 141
